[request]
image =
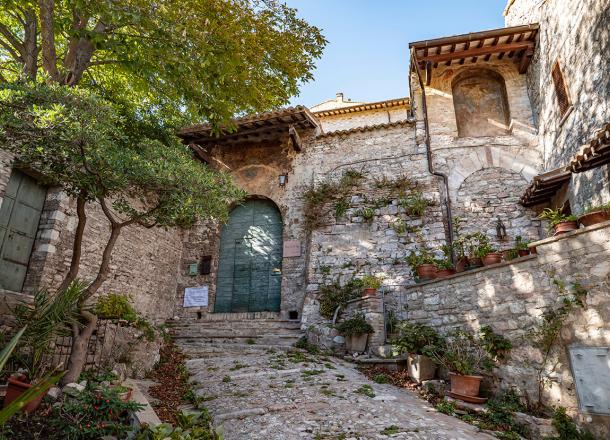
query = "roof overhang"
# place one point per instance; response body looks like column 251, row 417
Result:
column 262, row 127
column 405, row 102
column 544, row 186
column 516, row 43
column 595, row 154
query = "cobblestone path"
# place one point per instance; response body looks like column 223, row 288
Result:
column 257, row 393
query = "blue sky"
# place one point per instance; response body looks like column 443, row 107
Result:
column 367, row 54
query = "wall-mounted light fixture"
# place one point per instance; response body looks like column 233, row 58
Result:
column 282, row 179
column 500, row 230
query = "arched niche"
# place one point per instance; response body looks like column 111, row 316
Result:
column 480, row 103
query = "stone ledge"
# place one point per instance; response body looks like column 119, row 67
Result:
column 473, row 271
column 570, row 234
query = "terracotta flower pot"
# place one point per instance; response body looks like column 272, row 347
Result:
column 593, row 218
column 533, row 250
column 563, row 227
column 356, row 343
column 465, row 385
column 426, row 271
column 461, row 264
column 492, row 258
column 15, row 388
column 444, row 273
column 125, row 396
column 369, row 291
column 475, row 262
column 420, row 367
column 523, row 252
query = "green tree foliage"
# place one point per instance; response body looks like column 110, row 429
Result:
column 204, row 60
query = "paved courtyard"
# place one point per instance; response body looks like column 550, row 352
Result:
column 257, row 393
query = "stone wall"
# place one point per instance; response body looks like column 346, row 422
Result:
column 575, row 33
column 511, row 298
column 486, row 174
column 349, row 246
column 144, row 261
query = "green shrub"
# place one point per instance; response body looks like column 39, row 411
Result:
column 418, row 257
column 566, row 428
column 415, row 205
column 371, row 282
column 416, row 339
column 462, row 353
column 115, row 306
column 189, row 427
column 356, row 325
column 334, row 295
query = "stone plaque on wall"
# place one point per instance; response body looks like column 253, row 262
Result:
column 196, row 296
column 591, row 368
column 292, row 248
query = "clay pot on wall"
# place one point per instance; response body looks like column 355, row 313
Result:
column 464, row 385
column 563, row 227
column 461, row 264
column 592, row 218
column 369, row 291
column 420, row 367
column 426, row 272
column 444, row 273
column 15, row 388
column 475, row 262
column 523, row 252
column 492, row 258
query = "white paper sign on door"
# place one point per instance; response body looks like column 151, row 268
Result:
column 196, row 296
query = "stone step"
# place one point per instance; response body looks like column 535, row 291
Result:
column 238, row 327
column 240, row 316
column 271, row 340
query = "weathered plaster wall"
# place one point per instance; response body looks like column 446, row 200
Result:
column 363, row 118
column 511, row 299
column 502, row 164
column 578, row 35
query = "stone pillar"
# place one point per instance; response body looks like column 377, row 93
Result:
column 372, row 307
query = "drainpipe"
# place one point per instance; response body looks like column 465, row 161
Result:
column 443, row 176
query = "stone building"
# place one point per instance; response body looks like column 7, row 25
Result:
column 498, row 125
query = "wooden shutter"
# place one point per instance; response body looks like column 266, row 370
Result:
column 561, row 91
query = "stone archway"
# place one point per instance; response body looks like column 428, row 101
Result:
column 250, row 263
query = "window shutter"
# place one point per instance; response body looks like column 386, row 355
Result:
column 563, row 99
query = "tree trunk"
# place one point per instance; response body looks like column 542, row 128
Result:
column 79, row 57
column 80, row 343
column 47, row 33
column 76, row 246
column 104, row 269
column 30, row 48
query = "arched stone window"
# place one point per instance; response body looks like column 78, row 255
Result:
column 481, row 107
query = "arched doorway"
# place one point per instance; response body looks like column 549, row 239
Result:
column 250, row 263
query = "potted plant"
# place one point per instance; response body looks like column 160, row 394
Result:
column 559, row 223
column 474, row 243
column 595, row 214
column 444, row 266
column 422, row 264
column 522, row 246
column 48, row 318
column 459, row 246
column 489, row 255
column 370, row 285
column 417, row 342
column 464, row 356
column 510, row 254
column 356, row 331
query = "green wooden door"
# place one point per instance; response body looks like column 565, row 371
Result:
column 250, row 264
column 19, row 217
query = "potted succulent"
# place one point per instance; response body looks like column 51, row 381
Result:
column 559, row 223
column 595, row 214
column 489, row 255
column 370, row 285
column 422, row 264
column 418, row 341
column 356, row 331
column 464, row 356
column 522, row 246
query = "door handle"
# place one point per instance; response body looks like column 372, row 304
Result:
column 276, row 271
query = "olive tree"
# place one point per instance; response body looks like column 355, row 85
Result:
column 101, row 153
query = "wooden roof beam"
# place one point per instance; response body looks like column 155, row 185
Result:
column 476, row 52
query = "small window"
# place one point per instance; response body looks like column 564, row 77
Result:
column 561, row 91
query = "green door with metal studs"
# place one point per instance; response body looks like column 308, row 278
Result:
column 19, row 217
column 250, row 263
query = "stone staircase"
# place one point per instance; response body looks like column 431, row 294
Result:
column 264, row 329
